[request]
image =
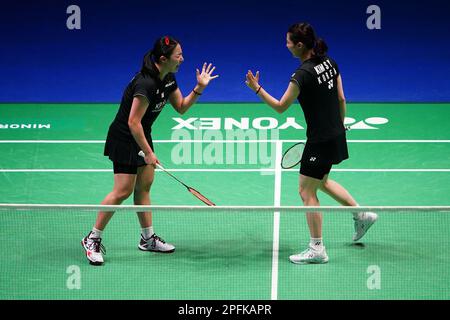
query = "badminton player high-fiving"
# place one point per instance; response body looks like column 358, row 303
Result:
column 317, row 85
column 130, row 132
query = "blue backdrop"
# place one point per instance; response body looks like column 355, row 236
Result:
column 43, row 61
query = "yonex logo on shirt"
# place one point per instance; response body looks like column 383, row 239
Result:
column 330, row 84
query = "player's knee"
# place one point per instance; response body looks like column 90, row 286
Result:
column 123, row 194
column 324, row 185
column 306, row 194
column 143, row 188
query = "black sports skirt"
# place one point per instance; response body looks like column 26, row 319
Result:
column 327, row 152
column 125, row 152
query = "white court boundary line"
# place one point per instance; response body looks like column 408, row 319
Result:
column 218, row 141
column 201, row 208
column 276, row 221
column 228, row 170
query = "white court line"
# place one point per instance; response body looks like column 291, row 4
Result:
column 219, row 141
column 229, row 170
column 386, row 141
column 56, row 170
column 276, row 221
column 389, row 170
column 53, row 141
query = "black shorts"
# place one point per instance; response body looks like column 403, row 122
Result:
column 125, row 168
column 125, row 152
column 315, row 171
column 319, row 157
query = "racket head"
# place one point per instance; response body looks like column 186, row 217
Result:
column 292, row 156
column 201, row 197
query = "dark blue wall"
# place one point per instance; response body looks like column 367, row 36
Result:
column 42, row 61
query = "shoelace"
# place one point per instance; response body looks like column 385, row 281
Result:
column 95, row 244
column 304, row 252
column 155, row 238
column 309, row 251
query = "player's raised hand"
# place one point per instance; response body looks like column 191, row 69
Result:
column 204, row 77
column 252, row 81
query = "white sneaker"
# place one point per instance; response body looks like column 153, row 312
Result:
column 310, row 255
column 94, row 250
column 155, row 244
column 364, row 221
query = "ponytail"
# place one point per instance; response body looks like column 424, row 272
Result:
column 304, row 33
column 147, row 63
column 320, row 48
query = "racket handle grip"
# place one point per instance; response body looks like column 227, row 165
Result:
column 142, row 154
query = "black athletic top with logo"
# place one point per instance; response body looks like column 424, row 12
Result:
column 156, row 92
column 121, row 146
column 317, row 80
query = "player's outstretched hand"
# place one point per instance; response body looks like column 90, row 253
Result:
column 204, row 77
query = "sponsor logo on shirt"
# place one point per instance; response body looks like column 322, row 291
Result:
column 325, row 72
column 159, row 106
column 169, row 84
column 330, row 84
column 319, row 69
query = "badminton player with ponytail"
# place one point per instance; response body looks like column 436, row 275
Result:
column 317, row 84
column 130, row 135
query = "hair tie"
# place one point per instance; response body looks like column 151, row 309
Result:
column 166, row 40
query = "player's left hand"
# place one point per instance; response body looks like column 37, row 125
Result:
column 206, row 76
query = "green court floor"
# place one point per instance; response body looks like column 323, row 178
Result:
column 52, row 153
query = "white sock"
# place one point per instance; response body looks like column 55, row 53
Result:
column 316, row 243
column 147, row 232
column 95, row 233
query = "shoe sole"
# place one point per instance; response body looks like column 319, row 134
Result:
column 147, row 250
column 310, row 262
column 93, row 263
column 367, row 229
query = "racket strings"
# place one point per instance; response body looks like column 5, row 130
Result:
column 292, row 156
